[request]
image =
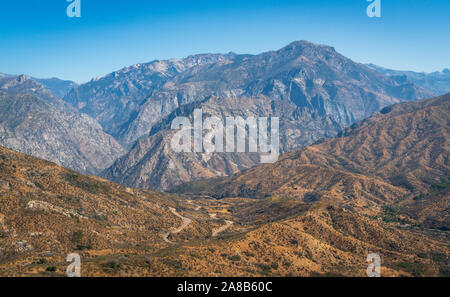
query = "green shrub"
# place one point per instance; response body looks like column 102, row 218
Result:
column 83, row 247
column 265, row 269
column 390, row 214
column 77, row 236
column 40, row 186
column 416, row 269
column 438, row 257
column 85, row 184
column 177, row 264
column 235, row 258
column 444, row 271
column 41, row 261
column 441, row 186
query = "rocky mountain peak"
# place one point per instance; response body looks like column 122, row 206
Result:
column 21, row 78
column 308, row 49
column 15, row 81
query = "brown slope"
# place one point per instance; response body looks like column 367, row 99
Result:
column 406, row 144
column 322, row 241
column 47, row 212
column 44, row 207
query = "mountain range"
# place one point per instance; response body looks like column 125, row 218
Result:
column 380, row 186
column 57, row 86
column 122, row 126
column 314, row 91
column 363, row 168
column 151, row 163
column 129, row 102
column 437, row 82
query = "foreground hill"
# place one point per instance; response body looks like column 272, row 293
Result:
column 47, row 212
column 35, row 122
column 44, row 207
column 398, row 156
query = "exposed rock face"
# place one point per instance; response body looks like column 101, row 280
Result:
column 129, row 102
column 312, row 88
column 437, row 82
column 35, row 122
column 152, row 163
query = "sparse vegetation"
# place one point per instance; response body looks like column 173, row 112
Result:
column 87, row 185
column 274, row 236
column 416, row 269
column 77, row 236
column 390, row 214
column 441, row 186
column 113, row 265
column 41, row 261
column 265, row 269
column 176, row 264
column 235, row 258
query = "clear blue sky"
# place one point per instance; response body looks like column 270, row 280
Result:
column 38, row 39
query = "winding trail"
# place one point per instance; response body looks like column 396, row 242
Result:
column 227, row 225
column 186, row 222
column 197, row 207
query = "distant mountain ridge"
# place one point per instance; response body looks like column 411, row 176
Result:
column 438, row 82
column 127, row 103
column 57, row 86
column 314, row 91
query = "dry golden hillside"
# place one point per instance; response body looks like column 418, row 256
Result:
column 45, row 208
column 47, row 212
